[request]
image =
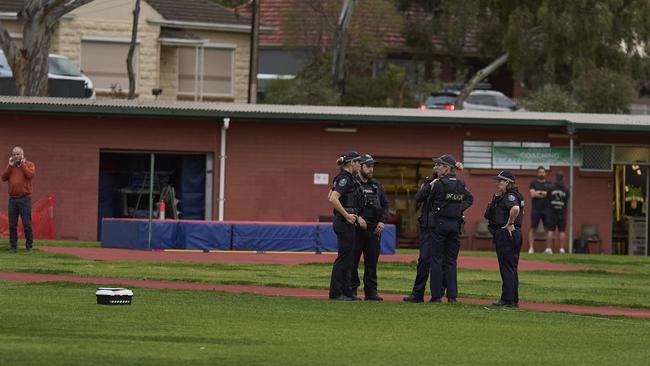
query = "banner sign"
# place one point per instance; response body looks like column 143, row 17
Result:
column 545, row 156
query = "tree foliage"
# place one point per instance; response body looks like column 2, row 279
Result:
column 576, row 45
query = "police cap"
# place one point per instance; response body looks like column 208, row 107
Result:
column 505, row 175
column 446, row 160
column 367, row 159
column 351, row 156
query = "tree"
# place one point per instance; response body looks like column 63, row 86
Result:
column 129, row 57
column 29, row 64
column 555, row 42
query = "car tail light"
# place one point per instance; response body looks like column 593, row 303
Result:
column 449, row 107
column 423, row 107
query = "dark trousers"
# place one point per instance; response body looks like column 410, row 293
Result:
column 367, row 242
column 508, row 248
column 424, row 261
column 23, row 207
column 340, row 283
column 445, row 255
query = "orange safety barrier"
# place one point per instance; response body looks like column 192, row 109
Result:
column 42, row 220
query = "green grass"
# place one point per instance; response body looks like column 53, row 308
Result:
column 629, row 288
column 60, row 324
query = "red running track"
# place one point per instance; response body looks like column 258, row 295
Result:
column 107, row 254
column 300, row 292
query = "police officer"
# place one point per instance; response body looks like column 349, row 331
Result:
column 558, row 196
column 448, row 199
column 345, row 197
column 375, row 213
column 426, row 241
column 504, row 215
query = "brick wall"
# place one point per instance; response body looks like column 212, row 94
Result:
column 66, row 153
column 270, row 165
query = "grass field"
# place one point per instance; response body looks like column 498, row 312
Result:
column 629, row 287
column 60, row 324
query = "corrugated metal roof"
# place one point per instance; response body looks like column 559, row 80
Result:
column 578, row 121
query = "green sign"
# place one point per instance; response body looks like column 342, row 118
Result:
column 556, row 156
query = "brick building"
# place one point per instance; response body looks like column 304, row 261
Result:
column 94, row 157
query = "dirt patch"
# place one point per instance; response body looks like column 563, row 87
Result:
column 107, row 254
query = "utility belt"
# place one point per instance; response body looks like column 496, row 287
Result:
column 493, row 228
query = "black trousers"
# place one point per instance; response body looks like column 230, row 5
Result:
column 424, row 261
column 340, row 283
column 20, row 207
column 446, row 247
column 367, row 242
column 508, row 248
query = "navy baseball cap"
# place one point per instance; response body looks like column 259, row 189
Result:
column 505, row 175
column 446, row 160
column 367, row 159
column 351, row 156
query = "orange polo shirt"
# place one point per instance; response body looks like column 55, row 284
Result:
column 20, row 179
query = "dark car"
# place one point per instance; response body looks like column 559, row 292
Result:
column 478, row 100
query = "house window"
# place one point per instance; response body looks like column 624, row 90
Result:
column 478, row 154
column 212, row 77
column 104, row 62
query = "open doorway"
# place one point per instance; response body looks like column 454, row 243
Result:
column 401, row 179
column 630, row 209
column 183, row 181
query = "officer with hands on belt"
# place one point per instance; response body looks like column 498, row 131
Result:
column 345, row 197
column 448, row 199
column 375, row 213
column 426, row 241
column 504, row 215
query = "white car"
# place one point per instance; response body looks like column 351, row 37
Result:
column 478, row 100
column 60, row 67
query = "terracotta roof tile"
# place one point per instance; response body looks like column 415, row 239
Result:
column 297, row 24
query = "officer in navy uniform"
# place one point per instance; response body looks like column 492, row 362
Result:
column 448, row 199
column 504, row 215
column 426, row 241
column 345, row 197
column 375, row 213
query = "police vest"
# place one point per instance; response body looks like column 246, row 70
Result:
column 498, row 212
column 371, row 205
column 350, row 197
column 449, row 203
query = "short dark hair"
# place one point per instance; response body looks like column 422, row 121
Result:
column 541, row 167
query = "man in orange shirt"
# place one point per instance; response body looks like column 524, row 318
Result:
column 19, row 174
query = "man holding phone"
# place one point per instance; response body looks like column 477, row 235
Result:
column 19, row 174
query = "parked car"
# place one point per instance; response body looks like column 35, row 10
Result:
column 478, row 100
column 60, row 67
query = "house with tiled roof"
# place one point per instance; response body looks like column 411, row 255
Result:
column 191, row 49
column 303, row 27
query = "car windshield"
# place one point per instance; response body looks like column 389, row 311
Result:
column 3, row 61
column 62, row 66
